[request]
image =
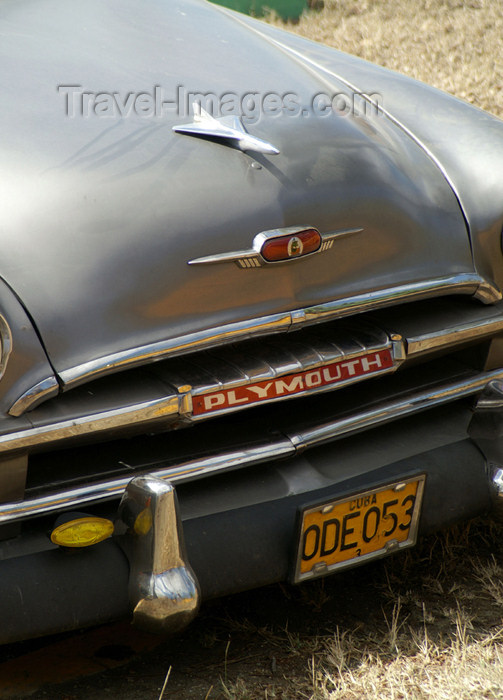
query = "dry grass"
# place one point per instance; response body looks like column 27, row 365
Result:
column 414, row 660
column 431, row 627
column 455, row 45
column 466, row 669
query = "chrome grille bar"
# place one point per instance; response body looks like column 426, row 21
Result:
column 106, row 490
column 283, row 446
column 180, row 382
column 463, row 283
column 177, row 383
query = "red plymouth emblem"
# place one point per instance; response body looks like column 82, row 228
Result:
column 301, row 382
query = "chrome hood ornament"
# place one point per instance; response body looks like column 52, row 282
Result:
column 228, row 128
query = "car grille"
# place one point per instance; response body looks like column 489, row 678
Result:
column 439, row 352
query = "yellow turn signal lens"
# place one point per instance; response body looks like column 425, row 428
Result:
column 82, row 532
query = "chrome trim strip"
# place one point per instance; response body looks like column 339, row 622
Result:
column 97, row 422
column 488, row 293
column 285, row 446
column 491, row 398
column 463, row 283
column 329, row 238
column 254, row 257
column 236, row 256
column 460, row 284
column 399, row 347
column 420, row 344
column 5, row 344
column 45, row 389
column 191, row 342
column 391, row 410
column 105, row 490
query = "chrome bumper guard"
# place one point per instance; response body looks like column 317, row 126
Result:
column 497, row 480
column 486, row 429
column 163, row 589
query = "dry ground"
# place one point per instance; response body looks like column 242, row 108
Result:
column 422, row 624
column 427, row 624
column 455, row 45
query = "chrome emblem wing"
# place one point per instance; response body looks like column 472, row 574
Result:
column 279, row 245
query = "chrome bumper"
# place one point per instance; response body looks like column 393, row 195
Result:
column 239, row 531
column 163, row 589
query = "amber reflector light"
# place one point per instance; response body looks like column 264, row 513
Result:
column 82, row 532
column 291, row 246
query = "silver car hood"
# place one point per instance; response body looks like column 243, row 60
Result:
column 100, row 215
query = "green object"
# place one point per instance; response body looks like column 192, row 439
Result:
column 287, row 9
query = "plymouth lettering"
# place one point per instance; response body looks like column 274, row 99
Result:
column 332, row 374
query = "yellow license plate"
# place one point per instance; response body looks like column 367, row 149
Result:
column 350, row 531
